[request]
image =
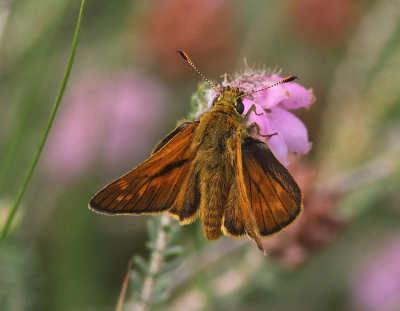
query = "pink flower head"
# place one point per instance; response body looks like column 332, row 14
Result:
column 272, row 107
column 103, row 118
column 375, row 284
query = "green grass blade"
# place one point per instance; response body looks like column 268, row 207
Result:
column 36, row 157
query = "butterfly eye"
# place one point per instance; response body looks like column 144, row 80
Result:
column 239, row 106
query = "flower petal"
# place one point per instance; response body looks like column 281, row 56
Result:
column 278, row 145
column 289, row 95
column 271, row 97
column 298, row 96
column 277, row 142
column 291, row 129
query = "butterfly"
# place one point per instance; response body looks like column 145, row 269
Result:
column 212, row 168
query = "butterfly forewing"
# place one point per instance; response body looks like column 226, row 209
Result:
column 152, row 186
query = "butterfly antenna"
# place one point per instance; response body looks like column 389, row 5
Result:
column 285, row 80
column 189, row 61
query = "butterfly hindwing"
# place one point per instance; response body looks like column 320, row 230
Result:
column 153, row 186
column 274, row 195
column 233, row 224
column 186, row 205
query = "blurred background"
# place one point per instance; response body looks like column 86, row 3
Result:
column 128, row 89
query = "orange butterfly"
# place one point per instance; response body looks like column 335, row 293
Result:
column 213, row 168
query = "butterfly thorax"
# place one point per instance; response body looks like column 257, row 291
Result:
column 216, row 129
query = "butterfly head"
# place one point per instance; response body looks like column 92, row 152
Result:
column 230, row 96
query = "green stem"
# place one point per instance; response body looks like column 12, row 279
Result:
column 156, row 263
column 35, row 160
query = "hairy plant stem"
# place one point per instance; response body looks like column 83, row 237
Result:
column 156, row 262
column 46, row 131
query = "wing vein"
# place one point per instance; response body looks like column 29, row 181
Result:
column 265, row 200
column 262, row 214
column 127, row 190
column 155, row 194
column 280, row 200
column 132, row 207
column 281, row 184
column 270, row 210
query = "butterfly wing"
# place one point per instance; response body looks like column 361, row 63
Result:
column 275, row 198
column 177, row 130
column 154, row 185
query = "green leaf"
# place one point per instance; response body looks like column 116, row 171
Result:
column 172, row 252
column 160, row 294
column 152, row 228
column 150, row 245
column 174, row 234
column 140, row 265
column 136, row 283
column 170, row 266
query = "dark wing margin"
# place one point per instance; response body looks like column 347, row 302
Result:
column 274, row 195
column 154, row 185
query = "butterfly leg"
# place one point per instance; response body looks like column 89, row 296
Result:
column 254, row 125
column 252, row 109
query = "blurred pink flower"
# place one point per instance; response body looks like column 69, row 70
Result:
column 376, row 284
column 103, row 118
column 274, row 104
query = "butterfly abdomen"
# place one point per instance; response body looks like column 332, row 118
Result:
column 215, row 184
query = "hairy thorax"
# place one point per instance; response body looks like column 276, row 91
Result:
column 215, row 134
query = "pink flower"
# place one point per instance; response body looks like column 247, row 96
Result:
column 376, row 283
column 273, row 105
column 103, row 118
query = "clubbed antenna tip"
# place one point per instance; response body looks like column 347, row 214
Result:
column 291, row 78
column 285, row 80
column 183, row 54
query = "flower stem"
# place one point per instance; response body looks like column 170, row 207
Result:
column 156, row 262
column 36, row 157
column 122, row 294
